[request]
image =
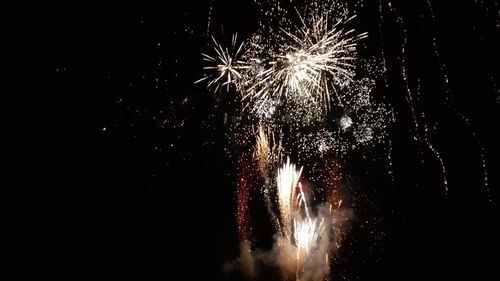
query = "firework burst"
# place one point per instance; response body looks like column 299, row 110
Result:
column 311, row 62
column 316, row 57
column 225, row 63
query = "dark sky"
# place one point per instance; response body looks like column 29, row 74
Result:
column 147, row 191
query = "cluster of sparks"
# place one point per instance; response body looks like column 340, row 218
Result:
column 307, row 68
column 306, row 233
column 314, row 56
column 227, row 67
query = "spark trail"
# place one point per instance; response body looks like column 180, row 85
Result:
column 287, row 179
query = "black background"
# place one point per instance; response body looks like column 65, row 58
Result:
column 144, row 188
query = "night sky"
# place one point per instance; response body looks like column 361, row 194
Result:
column 146, row 185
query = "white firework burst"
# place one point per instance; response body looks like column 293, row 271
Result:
column 227, row 64
column 314, row 61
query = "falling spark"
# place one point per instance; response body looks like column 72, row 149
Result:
column 449, row 101
column 242, row 197
column 302, row 200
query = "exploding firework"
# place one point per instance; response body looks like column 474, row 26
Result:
column 226, row 64
column 315, row 59
column 309, row 66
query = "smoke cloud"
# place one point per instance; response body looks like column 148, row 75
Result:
column 292, row 262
